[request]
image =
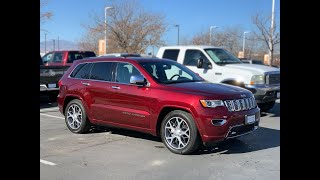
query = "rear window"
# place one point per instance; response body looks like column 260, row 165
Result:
column 81, row 72
column 88, row 54
column 102, row 71
column 171, row 54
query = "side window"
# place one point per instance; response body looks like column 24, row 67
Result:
column 83, row 72
column 57, row 58
column 171, row 54
column 101, row 71
column 72, row 56
column 124, row 71
column 192, row 56
column 47, row 58
column 76, row 70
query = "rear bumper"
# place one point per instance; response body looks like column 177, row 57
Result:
column 264, row 93
column 44, row 87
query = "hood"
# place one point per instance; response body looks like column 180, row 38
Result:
column 207, row 89
column 254, row 68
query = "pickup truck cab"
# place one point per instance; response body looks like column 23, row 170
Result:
column 65, row 57
column 53, row 65
column 156, row 96
column 217, row 65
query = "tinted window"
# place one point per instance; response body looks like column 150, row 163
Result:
column 57, row 58
column 257, row 62
column 192, row 56
column 101, row 71
column 171, row 54
column 76, row 70
column 72, row 56
column 47, row 57
column 88, row 54
column 124, row 71
column 169, row 72
column 83, row 72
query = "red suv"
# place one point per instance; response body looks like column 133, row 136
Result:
column 156, row 96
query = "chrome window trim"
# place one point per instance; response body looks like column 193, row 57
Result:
column 148, row 83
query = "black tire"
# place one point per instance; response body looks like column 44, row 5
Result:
column 85, row 124
column 264, row 107
column 194, row 137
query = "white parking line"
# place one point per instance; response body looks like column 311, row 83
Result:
column 47, row 162
column 49, row 109
column 51, row 116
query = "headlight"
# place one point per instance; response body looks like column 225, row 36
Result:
column 211, row 103
column 257, row 79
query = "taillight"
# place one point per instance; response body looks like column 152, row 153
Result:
column 59, row 83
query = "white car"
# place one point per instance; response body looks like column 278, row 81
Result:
column 217, row 65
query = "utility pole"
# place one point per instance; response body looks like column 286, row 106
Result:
column 45, row 42
column 271, row 36
column 58, row 44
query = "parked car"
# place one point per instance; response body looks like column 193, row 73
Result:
column 252, row 61
column 54, row 66
column 65, row 57
column 121, row 55
column 220, row 66
column 156, row 96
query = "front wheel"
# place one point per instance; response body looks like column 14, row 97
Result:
column 264, row 107
column 179, row 132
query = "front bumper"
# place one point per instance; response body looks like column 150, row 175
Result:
column 234, row 126
column 264, row 92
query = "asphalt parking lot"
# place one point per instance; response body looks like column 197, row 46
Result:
column 109, row 153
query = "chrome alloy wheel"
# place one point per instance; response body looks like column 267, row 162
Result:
column 177, row 133
column 74, row 116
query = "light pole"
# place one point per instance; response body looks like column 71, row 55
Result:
column 58, row 44
column 212, row 27
column 271, row 35
column 54, row 45
column 244, row 40
column 105, row 21
column 177, row 25
column 45, row 42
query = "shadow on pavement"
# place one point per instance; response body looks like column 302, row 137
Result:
column 262, row 138
column 123, row 132
column 46, row 103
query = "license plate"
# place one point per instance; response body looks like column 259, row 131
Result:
column 52, row 85
column 278, row 94
column 250, row 119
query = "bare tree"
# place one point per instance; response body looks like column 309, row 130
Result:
column 130, row 28
column 228, row 38
column 44, row 15
column 266, row 34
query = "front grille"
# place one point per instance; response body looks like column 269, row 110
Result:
column 240, row 130
column 241, row 104
column 273, row 79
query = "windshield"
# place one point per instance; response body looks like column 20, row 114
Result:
column 169, row 72
column 221, row 56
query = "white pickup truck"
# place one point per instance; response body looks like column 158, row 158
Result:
column 217, row 65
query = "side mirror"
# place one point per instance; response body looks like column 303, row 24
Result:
column 209, row 66
column 138, row 80
column 200, row 63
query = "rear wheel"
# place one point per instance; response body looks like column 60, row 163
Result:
column 264, row 107
column 179, row 132
column 76, row 117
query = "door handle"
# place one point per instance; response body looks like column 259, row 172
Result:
column 115, row 87
column 86, row 84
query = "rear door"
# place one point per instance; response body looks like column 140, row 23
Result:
column 100, row 91
column 130, row 103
